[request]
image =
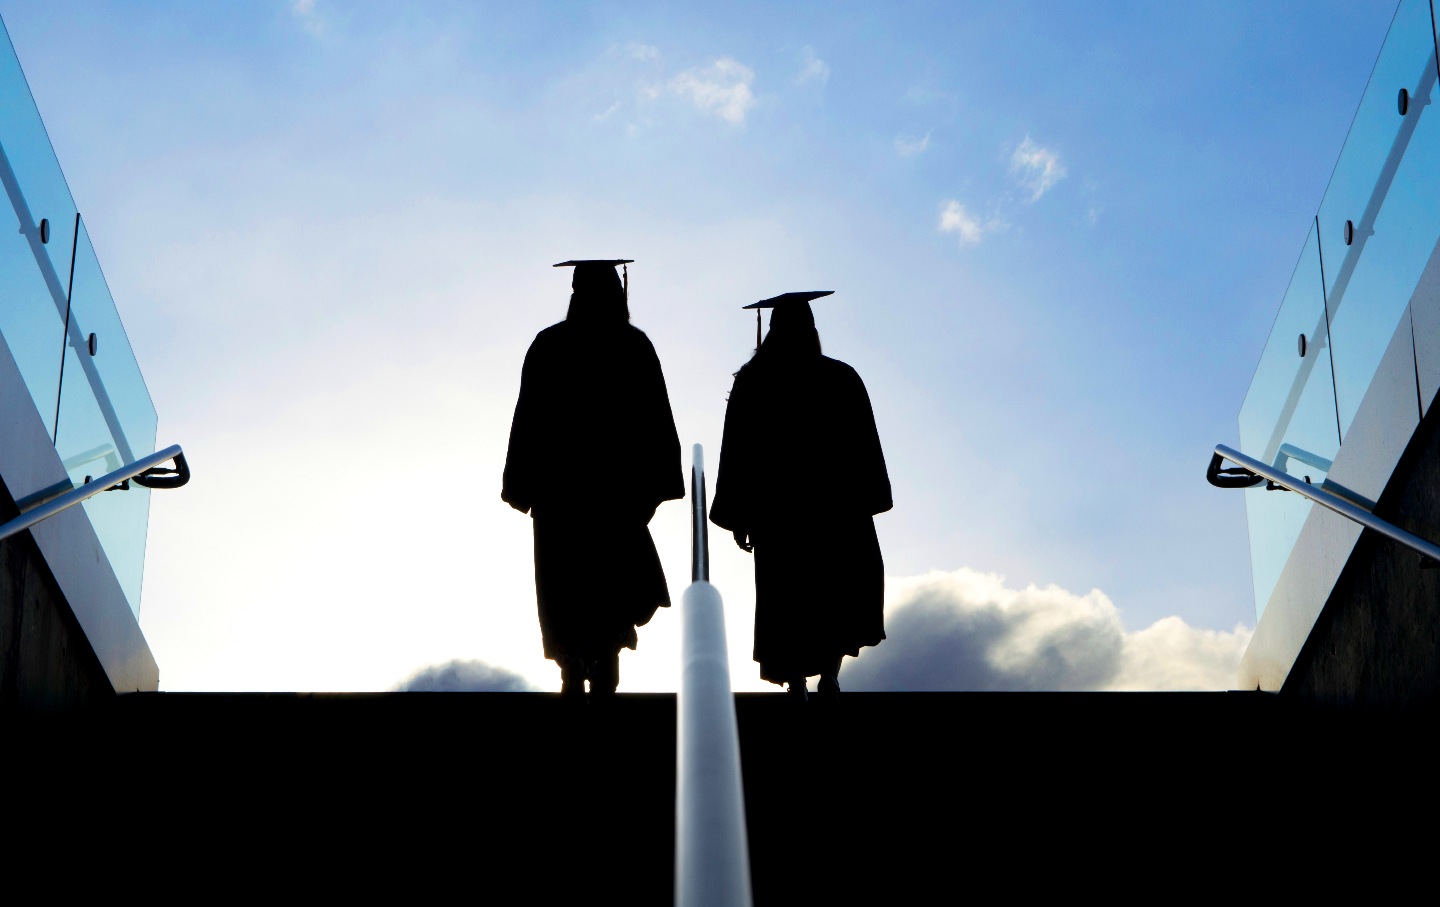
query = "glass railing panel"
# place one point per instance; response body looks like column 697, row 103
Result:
column 1288, row 419
column 29, row 324
column 1379, row 221
column 33, row 181
column 125, row 400
column 106, row 417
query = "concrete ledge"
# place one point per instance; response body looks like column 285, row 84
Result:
column 46, row 664
column 1376, row 645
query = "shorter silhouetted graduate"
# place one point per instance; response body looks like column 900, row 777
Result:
column 801, row 477
column 593, row 451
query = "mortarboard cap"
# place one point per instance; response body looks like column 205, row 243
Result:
column 786, row 301
column 588, row 264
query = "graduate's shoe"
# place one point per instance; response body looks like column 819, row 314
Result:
column 572, row 680
column 604, row 676
column 829, row 686
column 795, row 691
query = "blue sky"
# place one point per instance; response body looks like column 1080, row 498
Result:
column 1058, row 234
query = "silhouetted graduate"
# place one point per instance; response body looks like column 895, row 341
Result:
column 593, row 451
column 801, row 477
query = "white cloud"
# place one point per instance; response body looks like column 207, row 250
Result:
column 605, row 114
column 1172, row 655
column 642, row 52
column 722, row 88
column 966, row 630
column 459, row 676
column 305, row 11
column 1035, row 169
column 908, row 146
column 1089, row 188
column 814, row 70
column 954, row 218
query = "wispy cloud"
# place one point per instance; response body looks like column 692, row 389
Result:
column 722, row 88
column 956, row 218
column 966, row 630
column 923, row 94
column 1089, row 189
column 309, row 16
column 908, row 146
column 642, row 52
column 814, row 70
column 1035, row 169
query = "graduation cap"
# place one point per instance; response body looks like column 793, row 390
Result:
column 785, row 301
column 578, row 263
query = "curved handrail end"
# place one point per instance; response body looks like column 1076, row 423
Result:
column 164, row 477
column 1237, row 477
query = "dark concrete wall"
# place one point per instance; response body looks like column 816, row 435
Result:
column 1377, row 642
column 46, row 663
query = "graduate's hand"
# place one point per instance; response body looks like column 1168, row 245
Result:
column 743, row 540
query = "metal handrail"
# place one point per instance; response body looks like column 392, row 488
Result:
column 145, row 472
column 1321, row 496
column 699, row 527
column 712, row 857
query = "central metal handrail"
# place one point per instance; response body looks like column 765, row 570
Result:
column 712, row 859
column 699, row 528
column 147, row 472
column 1319, row 495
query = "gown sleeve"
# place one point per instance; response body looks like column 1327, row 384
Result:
column 731, row 509
column 667, row 479
column 519, row 486
column 873, row 480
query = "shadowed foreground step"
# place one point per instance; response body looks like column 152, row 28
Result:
column 886, row 793
column 924, row 796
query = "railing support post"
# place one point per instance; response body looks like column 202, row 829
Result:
column 712, row 860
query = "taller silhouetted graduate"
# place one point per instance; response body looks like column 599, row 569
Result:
column 593, row 451
column 801, row 478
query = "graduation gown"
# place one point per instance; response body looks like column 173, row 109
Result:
column 593, row 450
column 802, row 472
